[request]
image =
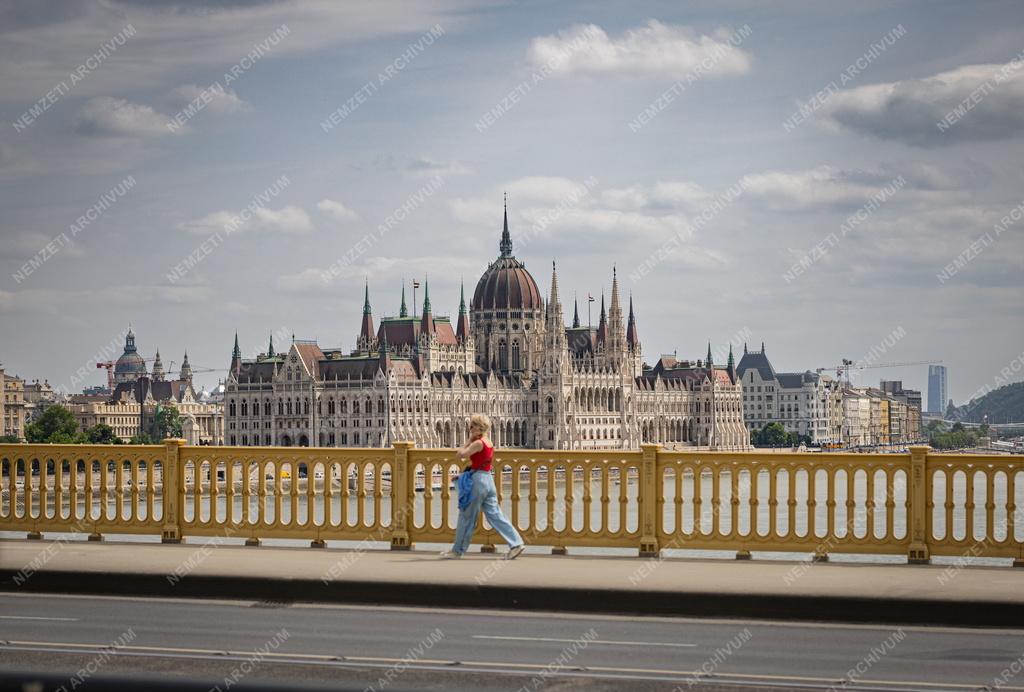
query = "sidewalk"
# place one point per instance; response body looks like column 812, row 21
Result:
column 898, row 594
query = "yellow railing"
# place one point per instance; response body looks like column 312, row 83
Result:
column 916, row 504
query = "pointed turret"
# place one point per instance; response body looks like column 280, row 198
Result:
column 506, row 238
column 462, row 329
column 403, row 311
column 384, row 353
column 632, row 336
column 270, row 347
column 576, row 313
column 186, row 369
column 366, row 330
column 731, row 366
column 615, row 311
column 158, row 368
column 556, row 321
column 236, row 357
column 427, row 321
column 602, row 326
column 709, row 355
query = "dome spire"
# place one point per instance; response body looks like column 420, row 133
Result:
column 506, row 237
column 576, row 313
column 463, row 326
column 403, row 311
column 366, row 330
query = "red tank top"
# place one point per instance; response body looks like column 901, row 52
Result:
column 481, row 461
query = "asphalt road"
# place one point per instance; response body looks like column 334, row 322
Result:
column 418, row 648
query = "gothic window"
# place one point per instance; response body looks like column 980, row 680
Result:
column 380, row 407
column 502, row 353
column 344, row 405
column 231, row 409
column 515, row 355
column 245, row 408
column 266, row 407
column 280, row 407
column 551, row 405
column 355, row 406
column 330, row 407
column 289, row 407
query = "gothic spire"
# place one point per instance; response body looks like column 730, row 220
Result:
column 602, row 326
column 732, row 360
column 506, row 238
column 366, row 330
column 462, row 330
column 236, row 352
column 270, row 348
column 236, row 357
column 576, row 313
column 709, row 355
column 403, row 311
column 632, row 336
column 427, row 321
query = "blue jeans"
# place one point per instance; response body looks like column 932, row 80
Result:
column 485, row 497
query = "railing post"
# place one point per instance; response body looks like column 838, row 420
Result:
column 171, row 491
column 401, row 502
column 647, row 496
column 920, row 486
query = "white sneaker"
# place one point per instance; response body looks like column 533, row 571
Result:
column 513, row 553
column 450, row 555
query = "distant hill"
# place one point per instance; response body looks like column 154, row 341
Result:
column 1003, row 405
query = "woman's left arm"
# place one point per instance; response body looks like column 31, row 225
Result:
column 470, row 449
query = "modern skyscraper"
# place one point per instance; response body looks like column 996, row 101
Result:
column 936, row 388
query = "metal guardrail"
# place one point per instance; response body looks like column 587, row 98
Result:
column 917, row 504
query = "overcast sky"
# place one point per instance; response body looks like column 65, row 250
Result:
column 794, row 173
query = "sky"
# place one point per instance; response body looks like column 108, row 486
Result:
column 836, row 180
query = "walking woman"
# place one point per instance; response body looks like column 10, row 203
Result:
column 477, row 491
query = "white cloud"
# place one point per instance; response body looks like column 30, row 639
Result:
column 212, row 100
column 662, row 194
column 655, row 48
column 824, row 186
column 973, row 102
column 336, row 209
column 428, row 168
column 104, row 116
column 290, row 219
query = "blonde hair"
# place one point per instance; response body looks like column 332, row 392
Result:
column 481, row 421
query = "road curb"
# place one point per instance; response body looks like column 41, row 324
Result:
column 849, row 609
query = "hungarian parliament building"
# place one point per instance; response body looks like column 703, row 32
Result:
column 509, row 355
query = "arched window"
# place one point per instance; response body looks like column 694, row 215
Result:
column 344, row 405
column 266, row 407
column 515, row 354
column 245, row 409
column 551, row 405
column 289, row 407
column 330, row 407
column 305, row 407
column 502, row 354
column 280, row 407
column 380, row 407
column 355, row 406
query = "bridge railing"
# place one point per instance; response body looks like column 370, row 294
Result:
column 917, row 504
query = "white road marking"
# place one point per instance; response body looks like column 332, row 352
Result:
column 32, row 617
column 473, row 666
column 590, row 641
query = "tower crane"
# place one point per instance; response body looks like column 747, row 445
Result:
column 843, row 370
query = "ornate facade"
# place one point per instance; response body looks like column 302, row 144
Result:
column 138, row 394
column 509, row 355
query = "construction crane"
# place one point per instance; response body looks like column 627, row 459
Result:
column 108, row 365
column 843, row 371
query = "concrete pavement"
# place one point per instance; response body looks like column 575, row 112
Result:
column 973, row 596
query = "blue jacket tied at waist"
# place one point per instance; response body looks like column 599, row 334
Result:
column 465, row 487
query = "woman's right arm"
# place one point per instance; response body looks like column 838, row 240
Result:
column 470, row 449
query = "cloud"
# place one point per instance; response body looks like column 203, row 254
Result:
column 427, row 168
column 23, row 245
column 290, row 219
column 381, row 270
column 821, row 187
column 663, row 195
column 213, row 100
column 104, row 116
column 336, row 209
column 969, row 103
column 653, row 49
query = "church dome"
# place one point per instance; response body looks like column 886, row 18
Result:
column 130, row 365
column 506, row 283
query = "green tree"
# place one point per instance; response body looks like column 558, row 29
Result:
column 166, row 423
column 56, row 425
column 141, row 438
column 5, row 439
column 102, row 434
column 771, row 435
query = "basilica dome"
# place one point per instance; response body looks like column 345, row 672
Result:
column 130, row 366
